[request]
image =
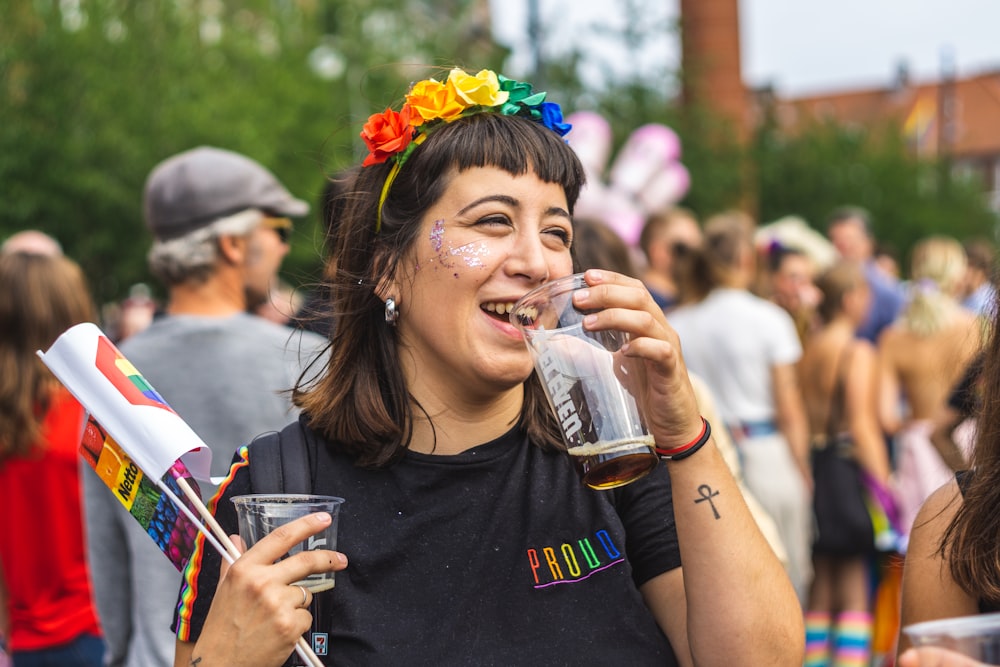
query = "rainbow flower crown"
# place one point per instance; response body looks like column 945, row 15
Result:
column 429, row 104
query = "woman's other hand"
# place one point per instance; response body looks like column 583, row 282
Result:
column 258, row 613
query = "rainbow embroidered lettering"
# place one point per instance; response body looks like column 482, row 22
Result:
column 571, row 563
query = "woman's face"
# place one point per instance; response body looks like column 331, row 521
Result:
column 488, row 240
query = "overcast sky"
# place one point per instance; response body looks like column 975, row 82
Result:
column 800, row 46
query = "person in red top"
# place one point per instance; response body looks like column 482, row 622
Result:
column 47, row 615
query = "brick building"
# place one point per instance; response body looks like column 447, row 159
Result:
column 958, row 117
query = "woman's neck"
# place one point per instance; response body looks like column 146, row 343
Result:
column 453, row 426
column 840, row 326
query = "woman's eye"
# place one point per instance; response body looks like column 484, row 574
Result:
column 494, row 220
column 561, row 234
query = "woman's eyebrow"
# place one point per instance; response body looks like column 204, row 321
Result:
column 514, row 203
column 503, row 199
column 559, row 211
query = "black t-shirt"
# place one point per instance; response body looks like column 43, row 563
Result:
column 495, row 556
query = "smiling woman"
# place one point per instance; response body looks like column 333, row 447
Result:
column 470, row 535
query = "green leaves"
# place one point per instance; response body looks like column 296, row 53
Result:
column 94, row 94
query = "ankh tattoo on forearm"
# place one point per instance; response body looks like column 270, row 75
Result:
column 707, row 493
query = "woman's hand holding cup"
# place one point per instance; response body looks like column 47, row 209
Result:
column 657, row 371
column 256, row 592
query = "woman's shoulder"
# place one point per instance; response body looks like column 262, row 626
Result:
column 860, row 351
column 939, row 508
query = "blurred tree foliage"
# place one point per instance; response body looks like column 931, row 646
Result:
column 827, row 165
column 94, row 94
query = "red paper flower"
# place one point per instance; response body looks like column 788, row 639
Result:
column 386, row 134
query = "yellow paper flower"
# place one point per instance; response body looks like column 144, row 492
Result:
column 433, row 100
column 483, row 89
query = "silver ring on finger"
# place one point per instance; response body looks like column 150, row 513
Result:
column 305, row 596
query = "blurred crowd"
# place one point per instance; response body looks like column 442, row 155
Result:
column 850, row 384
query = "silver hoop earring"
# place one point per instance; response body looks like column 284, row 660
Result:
column 391, row 314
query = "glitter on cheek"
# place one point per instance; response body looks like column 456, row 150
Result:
column 437, row 235
column 472, row 253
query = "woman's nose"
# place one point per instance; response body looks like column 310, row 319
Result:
column 528, row 259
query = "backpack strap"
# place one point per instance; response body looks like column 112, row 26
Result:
column 279, row 461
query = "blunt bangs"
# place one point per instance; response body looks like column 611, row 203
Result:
column 513, row 144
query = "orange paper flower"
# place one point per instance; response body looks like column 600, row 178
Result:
column 433, row 100
column 386, row 134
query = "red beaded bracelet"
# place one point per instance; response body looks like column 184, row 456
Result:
column 684, row 451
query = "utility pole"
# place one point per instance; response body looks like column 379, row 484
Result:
column 712, row 77
column 535, row 35
column 710, row 57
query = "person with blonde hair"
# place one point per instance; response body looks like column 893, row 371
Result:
column 32, row 242
column 921, row 356
column 47, row 613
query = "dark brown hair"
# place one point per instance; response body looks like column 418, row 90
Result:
column 40, row 297
column 362, row 403
column 661, row 220
column 834, row 283
column 981, row 254
column 971, row 543
column 597, row 246
column 700, row 270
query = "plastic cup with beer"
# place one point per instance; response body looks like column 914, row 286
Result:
column 259, row 514
column 586, row 381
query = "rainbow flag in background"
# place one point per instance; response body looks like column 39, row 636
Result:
column 920, row 121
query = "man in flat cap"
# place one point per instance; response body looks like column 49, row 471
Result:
column 221, row 224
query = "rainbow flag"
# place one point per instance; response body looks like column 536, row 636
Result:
column 125, row 404
column 138, row 446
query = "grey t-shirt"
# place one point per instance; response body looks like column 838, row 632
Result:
column 225, row 377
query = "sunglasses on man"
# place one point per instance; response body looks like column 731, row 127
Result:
column 283, row 226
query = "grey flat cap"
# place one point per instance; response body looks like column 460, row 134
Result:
column 193, row 189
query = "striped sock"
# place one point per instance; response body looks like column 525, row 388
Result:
column 852, row 645
column 817, row 639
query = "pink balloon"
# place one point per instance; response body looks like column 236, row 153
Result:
column 665, row 188
column 591, row 202
column 648, row 150
column 622, row 214
column 591, row 139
